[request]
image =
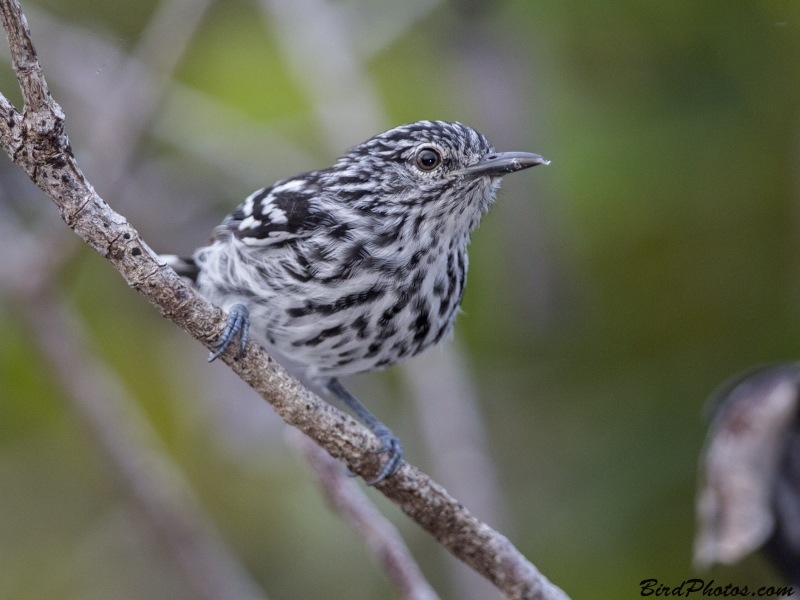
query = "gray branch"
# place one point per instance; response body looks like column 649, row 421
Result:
column 36, row 142
column 378, row 534
column 210, row 569
column 131, row 445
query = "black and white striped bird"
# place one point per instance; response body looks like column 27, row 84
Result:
column 360, row 266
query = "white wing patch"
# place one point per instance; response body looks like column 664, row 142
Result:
column 275, row 215
column 272, row 214
column 247, row 207
column 247, row 223
column 289, row 186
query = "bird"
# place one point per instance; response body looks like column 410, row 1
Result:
column 357, row 267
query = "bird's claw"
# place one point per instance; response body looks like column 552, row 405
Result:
column 389, row 441
column 238, row 325
column 392, row 446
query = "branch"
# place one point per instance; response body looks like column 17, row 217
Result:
column 37, row 143
column 452, row 429
column 138, row 459
column 207, row 564
column 377, row 533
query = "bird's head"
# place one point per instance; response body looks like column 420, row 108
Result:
column 435, row 166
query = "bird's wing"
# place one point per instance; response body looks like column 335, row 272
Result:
column 277, row 214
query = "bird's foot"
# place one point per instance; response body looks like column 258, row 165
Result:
column 392, row 446
column 238, row 325
column 389, row 441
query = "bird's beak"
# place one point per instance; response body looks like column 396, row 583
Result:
column 498, row 164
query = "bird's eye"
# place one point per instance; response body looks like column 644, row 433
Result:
column 428, row 159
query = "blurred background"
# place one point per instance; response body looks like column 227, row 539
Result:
column 608, row 294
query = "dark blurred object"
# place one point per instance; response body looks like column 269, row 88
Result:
column 749, row 487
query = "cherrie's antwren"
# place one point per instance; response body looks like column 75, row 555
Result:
column 360, row 266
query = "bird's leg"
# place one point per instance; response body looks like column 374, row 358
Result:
column 238, row 325
column 391, row 444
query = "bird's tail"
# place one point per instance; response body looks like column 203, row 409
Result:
column 185, row 266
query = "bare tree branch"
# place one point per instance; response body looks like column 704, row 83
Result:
column 137, row 92
column 37, row 143
column 345, row 103
column 378, row 534
column 449, row 417
column 156, row 483
column 210, row 569
column 123, row 431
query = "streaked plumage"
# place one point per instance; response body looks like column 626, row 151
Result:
column 362, row 265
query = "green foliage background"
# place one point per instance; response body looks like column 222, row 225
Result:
column 667, row 225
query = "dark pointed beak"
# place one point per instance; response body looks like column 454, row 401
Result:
column 498, row 164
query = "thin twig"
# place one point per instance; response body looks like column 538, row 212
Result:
column 140, row 462
column 37, row 144
column 449, row 418
column 209, row 567
column 378, row 534
column 141, row 82
column 314, row 40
